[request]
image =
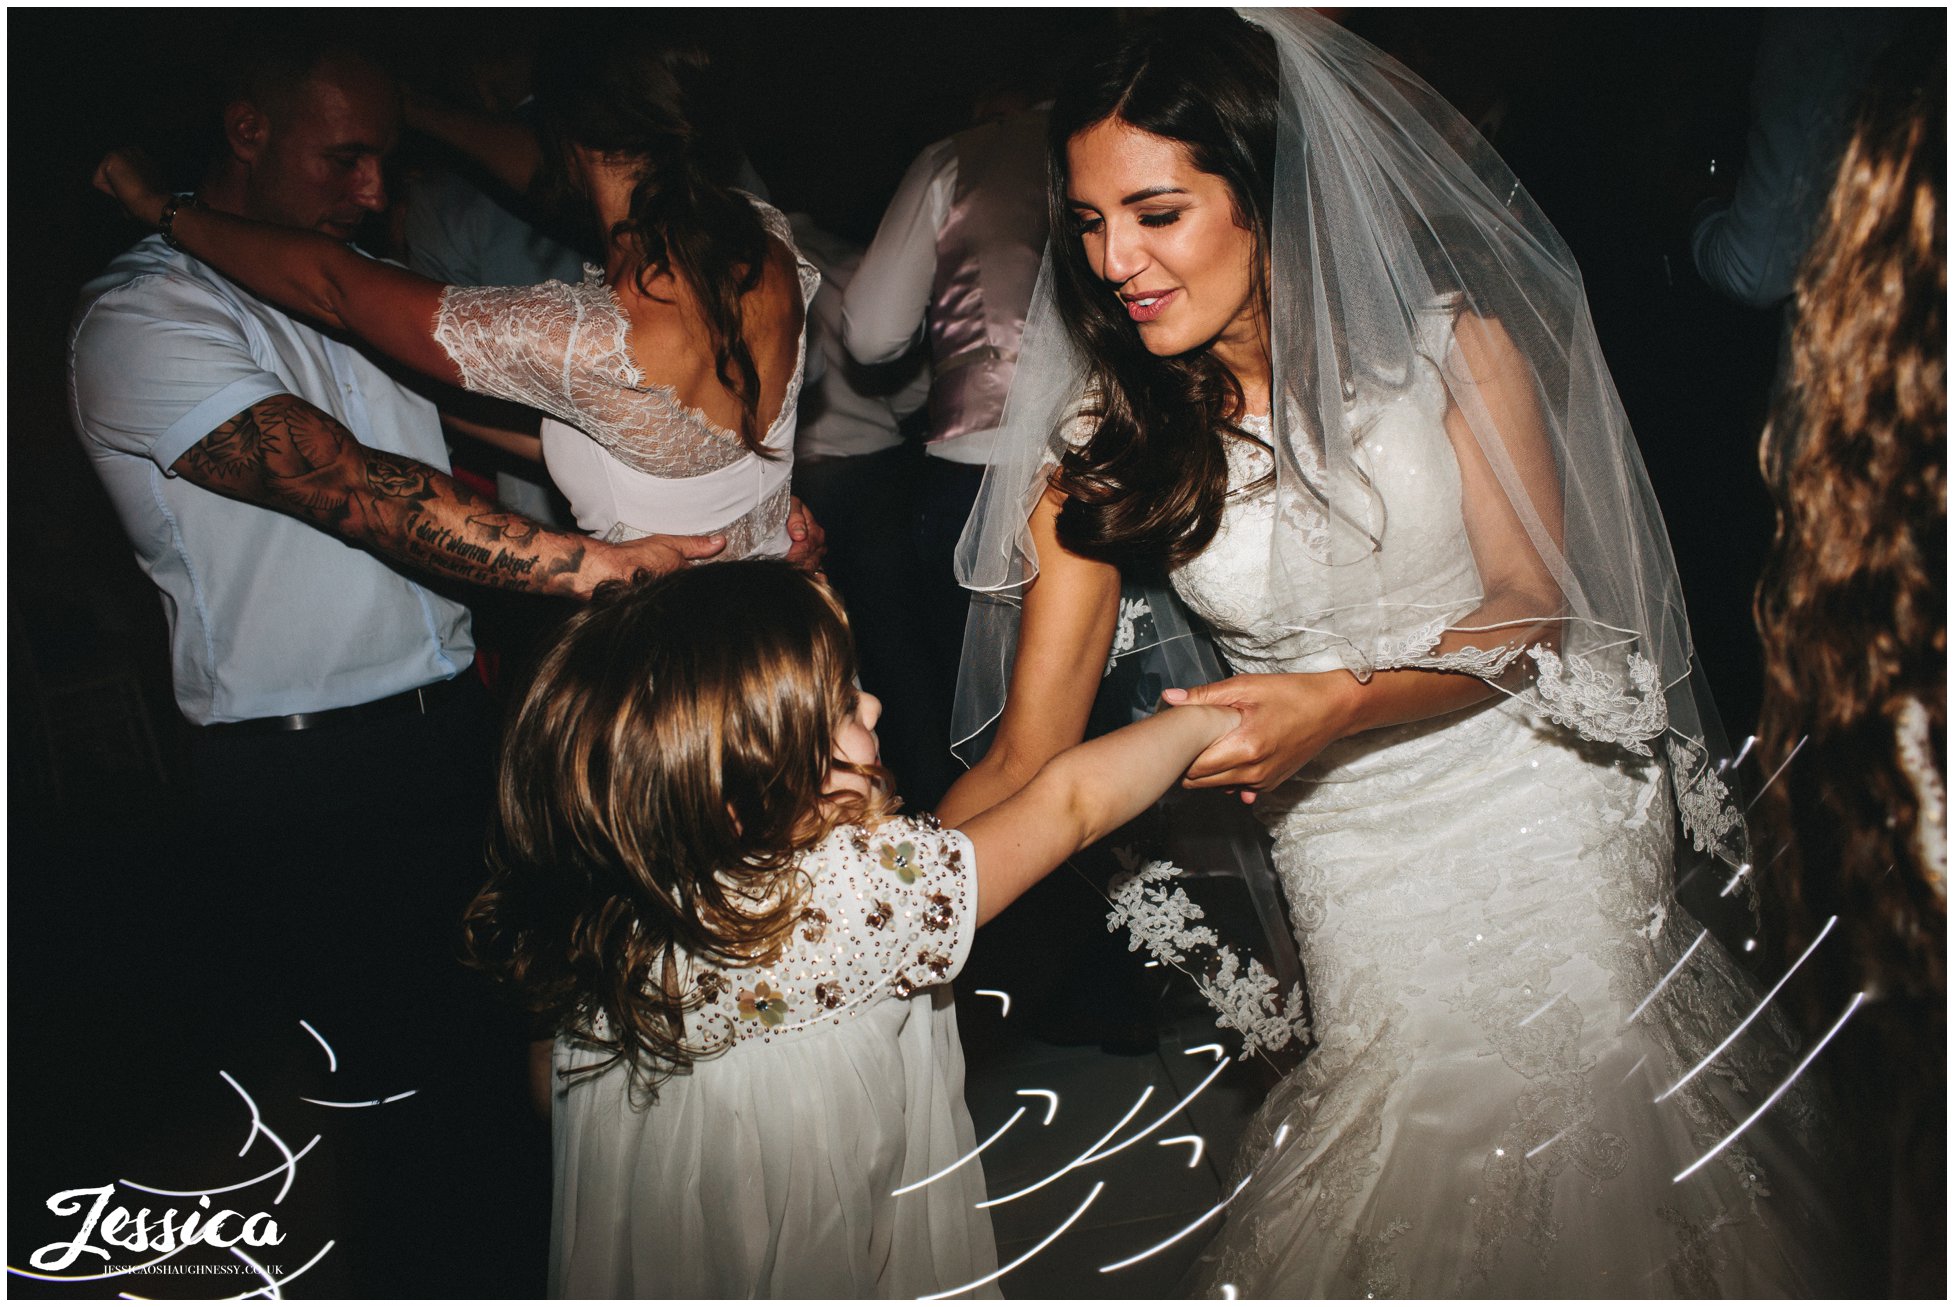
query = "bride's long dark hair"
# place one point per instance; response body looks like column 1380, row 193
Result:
column 1148, row 487
column 656, row 103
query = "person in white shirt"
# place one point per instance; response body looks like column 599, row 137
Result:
column 856, row 474
column 954, row 261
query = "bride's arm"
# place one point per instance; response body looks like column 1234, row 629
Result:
column 1064, row 635
column 1287, row 719
column 304, row 273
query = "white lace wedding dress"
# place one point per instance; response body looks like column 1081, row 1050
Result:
column 1485, row 914
column 631, row 458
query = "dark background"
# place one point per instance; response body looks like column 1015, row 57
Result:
column 1610, row 119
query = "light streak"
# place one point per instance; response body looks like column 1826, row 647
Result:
column 258, row 1127
column 271, row 1282
column 1742, row 869
column 911, row 1188
column 229, row 1188
column 1761, row 1004
column 1541, row 1011
column 1051, row 1102
column 1163, row 1119
column 1082, row 1158
column 1742, row 753
column 370, row 1102
column 1777, row 1093
column 1660, row 984
column 1545, row 1144
column 1637, row 1067
column 1030, row 1253
column 1216, row 1049
column 1228, row 1292
column 1779, row 772
column 1173, row 1239
column 998, row 994
column 332, row 1058
column 1281, row 1135
column 1196, row 1140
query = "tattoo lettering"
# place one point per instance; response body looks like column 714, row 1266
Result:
column 286, row 454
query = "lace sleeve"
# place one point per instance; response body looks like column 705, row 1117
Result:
column 535, row 345
column 781, row 230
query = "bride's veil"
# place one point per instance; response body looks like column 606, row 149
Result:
column 1403, row 253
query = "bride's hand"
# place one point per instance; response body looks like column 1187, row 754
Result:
column 129, row 178
column 1287, row 719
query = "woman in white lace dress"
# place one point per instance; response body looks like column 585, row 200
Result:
column 1339, row 385
column 669, row 377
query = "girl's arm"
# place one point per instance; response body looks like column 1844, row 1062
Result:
column 304, row 273
column 1065, row 632
column 1082, row 795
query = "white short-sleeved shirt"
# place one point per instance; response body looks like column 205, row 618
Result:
column 774, row 1167
column 268, row 615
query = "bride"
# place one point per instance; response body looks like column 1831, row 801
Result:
column 1305, row 347
column 669, row 377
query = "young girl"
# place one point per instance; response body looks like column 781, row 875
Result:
column 699, row 882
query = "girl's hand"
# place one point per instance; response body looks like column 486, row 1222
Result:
column 1286, row 720
column 130, row 179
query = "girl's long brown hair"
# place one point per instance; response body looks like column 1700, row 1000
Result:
column 657, row 783
column 1852, row 607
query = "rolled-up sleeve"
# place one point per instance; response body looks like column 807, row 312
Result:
column 888, row 300
column 152, row 373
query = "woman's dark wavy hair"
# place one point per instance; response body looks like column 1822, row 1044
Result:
column 658, row 103
column 1853, row 604
column 664, row 771
column 1148, row 488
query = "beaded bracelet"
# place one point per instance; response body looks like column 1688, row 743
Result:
column 167, row 223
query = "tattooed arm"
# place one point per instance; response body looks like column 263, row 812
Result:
column 286, row 454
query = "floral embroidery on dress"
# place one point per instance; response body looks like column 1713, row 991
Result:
column 1584, row 698
column 1247, row 1000
column 858, row 937
column 939, row 916
column 1126, row 634
column 1703, row 799
column 763, row 1003
column 899, row 858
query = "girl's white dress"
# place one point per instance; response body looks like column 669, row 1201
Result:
column 628, row 455
column 771, row 1169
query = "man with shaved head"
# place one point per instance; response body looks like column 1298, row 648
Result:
column 290, row 500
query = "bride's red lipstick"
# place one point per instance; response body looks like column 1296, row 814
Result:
column 1145, row 308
